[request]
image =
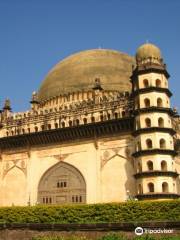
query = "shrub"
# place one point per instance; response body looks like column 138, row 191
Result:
column 111, row 237
column 94, row 213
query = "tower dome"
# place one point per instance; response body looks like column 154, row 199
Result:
column 148, row 50
column 79, row 71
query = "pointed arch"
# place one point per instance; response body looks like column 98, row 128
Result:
column 62, row 184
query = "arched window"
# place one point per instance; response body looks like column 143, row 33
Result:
column 150, row 165
column 63, row 124
column 123, row 114
column 146, row 102
column 77, row 122
column 138, row 146
column 139, row 167
column 165, row 187
column 162, row 143
column 116, row 115
column 158, row 83
column 150, row 187
column 42, row 127
column 146, row 83
column 7, row 133
column 164, row 165
column 160, row 122
column 109, row 116
column 148, row 122
column 159, row 102
column 36, row 129
column 140, row 190
column 174, row 187
column 92, row 119
column 138, row 124
column 56, row 125
column 49, row 126
column 70, row 123
column 101, row 117
column 85, row 120
column 149, row 143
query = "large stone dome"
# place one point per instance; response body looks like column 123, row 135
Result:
column 79, row 71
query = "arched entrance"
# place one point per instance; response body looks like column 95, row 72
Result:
column 62, row 184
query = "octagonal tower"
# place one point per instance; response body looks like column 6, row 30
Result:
column 154, row 148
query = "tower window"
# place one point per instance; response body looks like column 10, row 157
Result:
column 160, row 122
column 139, row 167
column 123, row 114
column 149, row 143
column 147, row 102
column 70, row 123
column 137, row 103
column 159, row 102
column 140, row 190
column 138, row 146
column 150, row 165
column 77, row 122
column 92, row 119
column 148, row 122
column 150, row 187
column 146, row 83
column 164, row 165
column 101, row 117
column 158, row 83
column 165, row 187
column 116, row 115
column 85, row 120
column 162, row 143
column 137, row 124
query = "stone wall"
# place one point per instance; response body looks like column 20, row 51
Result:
column 93, row 231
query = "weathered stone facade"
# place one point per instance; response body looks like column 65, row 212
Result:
column 91, row 145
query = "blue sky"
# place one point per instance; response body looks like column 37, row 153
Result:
column 36, row 34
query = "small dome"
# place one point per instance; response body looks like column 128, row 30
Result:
column 148, row 50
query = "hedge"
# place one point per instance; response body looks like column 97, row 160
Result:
column 131, row 211
column 111, row 237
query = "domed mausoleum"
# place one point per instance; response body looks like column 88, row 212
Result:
column 78, row 72
column 100, row 129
